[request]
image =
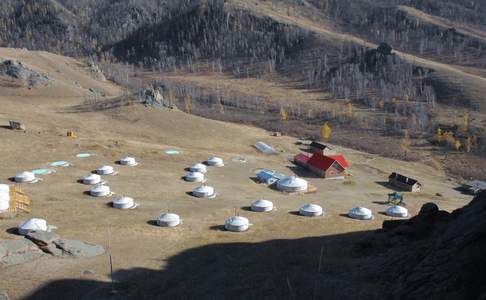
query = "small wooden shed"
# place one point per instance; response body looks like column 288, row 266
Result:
column 405, row 183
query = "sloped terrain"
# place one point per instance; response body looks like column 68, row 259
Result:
column 170, row 261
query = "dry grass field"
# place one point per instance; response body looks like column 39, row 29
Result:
column 156, row 184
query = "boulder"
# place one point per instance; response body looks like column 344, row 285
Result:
column 428, row 208
column 42, row 238
column 19, row 251
column 15, row 70
column 79, row 249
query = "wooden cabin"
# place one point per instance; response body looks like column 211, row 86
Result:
column 404, row 183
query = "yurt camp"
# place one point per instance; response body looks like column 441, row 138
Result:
column 311, row 210
column 105, row 170
column 261, row 205
column 128, row 161
column 32, row 225
column 168, row 220
column 25, row 177
column 215, row 162
column 198, row 168
column 237, row 224
column 360, row 213
column 123, row 202
column 204, row 191
column 397, row 211
column 100, row 191
column 292, row 184
column 4, row 197
column 92, row 179
column 194, row 176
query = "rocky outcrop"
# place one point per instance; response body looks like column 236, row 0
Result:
column 436, row 255
column 39, row 243
column 96, row 72
column 15, row 70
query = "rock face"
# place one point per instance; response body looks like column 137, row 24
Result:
column 4, row 295
column 437, row 255
column 79, row 248
column 38, row 243
column 96, row 72
column 13, row 252
column 17, row 71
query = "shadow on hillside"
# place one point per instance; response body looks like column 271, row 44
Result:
column 275, row 269
column 100, row 105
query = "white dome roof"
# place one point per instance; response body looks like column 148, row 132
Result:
column 292, row 184
column 25, row 177
column 32, row 225
column 105, row 170
column 360, row 213
column 194, row 176
column 198, row 168
column 123, row 202
column 311, row 210
column 92, row 179
column 203, row 191
column 4, row 197
column 237, row 224
column 100, row 191
column 261, row 205
column 128, row 161
column 215, row 161
column 397, row 211
column 168, row 220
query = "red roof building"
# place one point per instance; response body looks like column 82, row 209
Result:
column 325, row 166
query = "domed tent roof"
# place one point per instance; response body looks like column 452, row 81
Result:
column 128, row 161
column 32, row 225
column 4, row 197
column 236, row 224
column 25, row 177
column 397, row 211
column 360, row 213
column 105, row 170
column 261, row 205
column 194, row 176
column 311, row 210
column 100, row 191
column 198, row 168
column 124, row 203
column 215, row 162
column 169, row 220
column 204, row 191
column 292, row 184
column 92, row 179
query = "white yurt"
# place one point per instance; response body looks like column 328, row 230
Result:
column 397, row 211
column 204, row 191
column 261, row 205
column 25, row 177
column 215, row 162
column 105, row 170
column 292, row 184
column 100, row 191
column 4, row 197
column 32, row 225
column 168, row 220
column 198, row 168
column 311, row 210
column 128, row 161
column 92, row 179
column 194, row 176
column 237, row 224
column 123, row 202
column 360, row 213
